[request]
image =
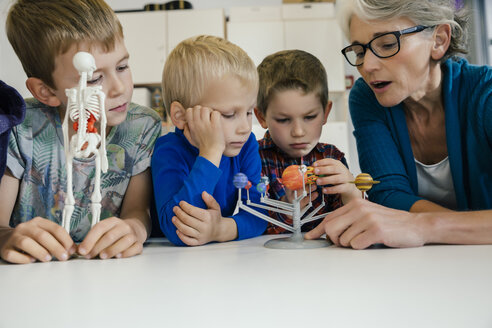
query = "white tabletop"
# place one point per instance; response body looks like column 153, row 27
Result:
column 243, row 284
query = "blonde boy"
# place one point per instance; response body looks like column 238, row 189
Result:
column 46, row 34
column 209, row 88
column 293, row 105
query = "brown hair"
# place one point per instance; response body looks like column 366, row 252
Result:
column 39, row 30
column 291, row 69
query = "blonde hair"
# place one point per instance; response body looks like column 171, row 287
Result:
column 288, row 70
column 39, row 30
column 199, row 60
column 421, row 12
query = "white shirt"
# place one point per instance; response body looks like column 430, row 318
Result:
column 436, row 183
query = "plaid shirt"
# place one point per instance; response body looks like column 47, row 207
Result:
column 274, row 161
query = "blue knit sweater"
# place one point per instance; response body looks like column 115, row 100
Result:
column 385, row 151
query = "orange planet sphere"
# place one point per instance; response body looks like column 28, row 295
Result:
column 292, row 177
column 364, row 182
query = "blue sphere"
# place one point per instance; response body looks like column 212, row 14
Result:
column 261, row 187
column 240, row 180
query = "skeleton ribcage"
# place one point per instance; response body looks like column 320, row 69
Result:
column 91, row 106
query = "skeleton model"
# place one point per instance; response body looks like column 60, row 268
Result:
column 85, row 107
column 294, row 177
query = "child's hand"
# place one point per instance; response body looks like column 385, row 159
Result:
column 338, row 176
column 204, row 129
column 198, row 226
column 37, row 239
column 111, row 237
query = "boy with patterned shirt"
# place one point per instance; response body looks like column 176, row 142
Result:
column 34, row 186
column 209, row 87
column 293, row 105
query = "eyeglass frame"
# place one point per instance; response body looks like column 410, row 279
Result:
column 397, row 34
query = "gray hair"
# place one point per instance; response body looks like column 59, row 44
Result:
column 421, row 12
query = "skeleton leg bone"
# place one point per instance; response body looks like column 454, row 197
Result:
column 96, row 194
column 69, row 199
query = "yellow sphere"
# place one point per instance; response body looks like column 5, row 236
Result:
column 364, row 182
column 311, row 177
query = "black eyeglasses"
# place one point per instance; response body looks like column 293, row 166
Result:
column 383, row 46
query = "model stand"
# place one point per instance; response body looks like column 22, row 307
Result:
column 85, row 107
column 294, row 178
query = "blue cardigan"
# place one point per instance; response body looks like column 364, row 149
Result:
column 178, row 173
column 385, row 152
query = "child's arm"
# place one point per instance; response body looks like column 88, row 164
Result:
column 337, row 175
column 186, row 177
column 249, row 225
column 38, row 239
column 123, row 237
column 184, row 174
column 197, row 226
column 179, row 174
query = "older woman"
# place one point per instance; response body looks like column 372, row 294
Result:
column 423, row 124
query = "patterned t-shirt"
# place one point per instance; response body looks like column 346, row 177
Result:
column 36, row 157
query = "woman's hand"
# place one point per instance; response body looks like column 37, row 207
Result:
column 360, row 224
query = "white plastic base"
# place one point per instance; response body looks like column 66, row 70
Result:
column 296, row 243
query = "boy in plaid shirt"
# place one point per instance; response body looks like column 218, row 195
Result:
column 293, row 105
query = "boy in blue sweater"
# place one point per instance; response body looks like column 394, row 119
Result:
column 209, row 88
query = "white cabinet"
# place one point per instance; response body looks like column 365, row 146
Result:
column 311, row 27
column 146, row 40
column 183, row 24
column 258, row 30
column 151, row 35
column 322, row 38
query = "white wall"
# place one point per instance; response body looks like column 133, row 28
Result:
column 11, row 71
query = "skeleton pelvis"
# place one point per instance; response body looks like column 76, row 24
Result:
column 86, row 145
